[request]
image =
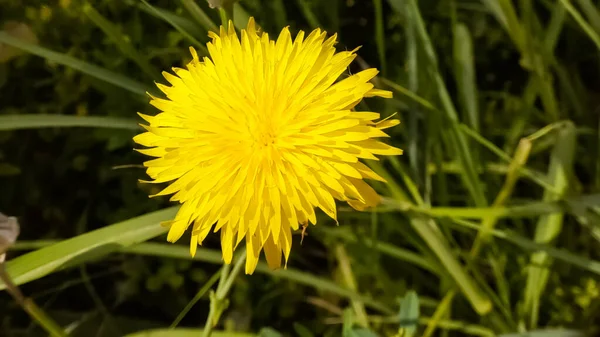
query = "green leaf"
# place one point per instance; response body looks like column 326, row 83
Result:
column 546, row 333
column 362, row 332
column 347, row 323
column 182, row 332
column 17, row 122
column 87, row 68
column 178, row 27
column 464, row 69
column 379, row 34
column 550, row 225
column 87, row 246
column 269, row 332
column 409, row 313
column 302, row 331
column 199, row 15
column 559, row 254
column 120, row 40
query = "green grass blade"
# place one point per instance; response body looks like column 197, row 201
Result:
column 538, row 179
column 17, row 122
column 529, row 245
column 213, row 256
column 429, row 231
column 384, row 248
column 70, row 252
column 87, row 68
column 408, row 93
column 464, row 69
column 120, row 40
column 589, row 31
column 458, row 142
column 591, row 12
column 416, row 139
column 178, row 27
column 122, row 237
column 409, row 313
column 549, row 226
column 379, row 35
column 433, row 237
column 547, row 333
column 240, row 16
column 183, row 22
column 279, row 14
column 199, row 15
column 310, row 17
column 187, row 332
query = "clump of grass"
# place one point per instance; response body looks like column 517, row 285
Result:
column 489, row 223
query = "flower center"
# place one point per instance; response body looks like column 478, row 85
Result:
column 266, row 138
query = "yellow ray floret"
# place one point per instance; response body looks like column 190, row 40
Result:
column 255, row 137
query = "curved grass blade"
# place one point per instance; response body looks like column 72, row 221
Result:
column 163, row 14
column 514, row 238
column 87, row 68
column 33, row 121
column 42, row 262
column 178, row 27
column 213, row 256
column 120, row 40
column 199, row 15
column 190, row 332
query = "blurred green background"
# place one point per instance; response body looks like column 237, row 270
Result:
column 490, row 223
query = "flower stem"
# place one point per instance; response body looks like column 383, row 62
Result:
column 30, row 307
column 226, row 14
column 218, row 300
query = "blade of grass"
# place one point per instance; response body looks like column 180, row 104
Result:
column 199, row 15
column 345, row 268
column 87, row 68
column 187, row 332
column 178, row 27
column 429, row 231
column 379, row 35
column 159, row 13
column 17, row 122
column 589, row 31
column 279, row 14
column 497, row 151
column 464, row 69
column 122, row 237
column 410, row 94
column 213, row 256
column 488, row 223
column 120, row 40
column 416, row 142
column 205, row 288
column 431, row 234
column 591, row 12
column 47, row 260
column 382, row 247
column 549, row 226
column 240, row 16
column 458, row 142
column 310, row 17
column 529, row 245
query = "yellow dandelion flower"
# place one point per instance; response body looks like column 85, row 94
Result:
column 259, row 134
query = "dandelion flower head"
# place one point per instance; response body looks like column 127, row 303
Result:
column 257, row 136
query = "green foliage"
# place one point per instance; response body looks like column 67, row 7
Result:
column 491, row 216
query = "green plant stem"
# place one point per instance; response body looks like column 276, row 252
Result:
column 36, row 313
column 218, row 300
column 196, row 298
column 348, row 276
column 226, row 14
